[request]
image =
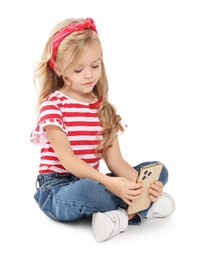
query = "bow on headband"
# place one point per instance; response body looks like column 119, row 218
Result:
column 59, row 36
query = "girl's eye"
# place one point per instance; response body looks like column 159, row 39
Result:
column 95, row 66
column 78, row 71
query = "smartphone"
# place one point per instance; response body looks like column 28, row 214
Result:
column 147, row 174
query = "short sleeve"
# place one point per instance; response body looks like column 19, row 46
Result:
column 50, row 114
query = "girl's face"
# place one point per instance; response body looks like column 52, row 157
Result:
column 86, row 72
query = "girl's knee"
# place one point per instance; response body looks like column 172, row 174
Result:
column 164, row 172
column 164, row 175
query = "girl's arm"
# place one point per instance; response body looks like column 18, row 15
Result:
column 65, row 154
column 117, row 165
column 121, row 187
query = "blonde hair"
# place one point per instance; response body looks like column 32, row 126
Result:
column 48, row 80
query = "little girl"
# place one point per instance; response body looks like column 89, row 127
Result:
column 77, row 127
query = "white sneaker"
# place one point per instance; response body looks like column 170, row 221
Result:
column 108, row 224
column 163, row 207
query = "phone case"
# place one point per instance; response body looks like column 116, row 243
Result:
column 148, row 175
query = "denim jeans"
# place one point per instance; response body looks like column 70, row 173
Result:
column 68, row 198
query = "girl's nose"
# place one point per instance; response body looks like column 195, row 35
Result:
column 88, row 73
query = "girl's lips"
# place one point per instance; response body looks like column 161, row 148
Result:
column 88, row 83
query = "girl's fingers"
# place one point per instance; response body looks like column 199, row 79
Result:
column 134, row 185
column 135, row 192
column 155, row 190
column 154, row 193
column 153, row 199
column 158, row 186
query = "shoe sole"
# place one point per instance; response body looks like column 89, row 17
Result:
column 167, row 195
column 99, row 226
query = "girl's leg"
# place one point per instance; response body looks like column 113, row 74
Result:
column 69, row 198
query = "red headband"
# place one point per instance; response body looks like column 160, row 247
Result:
column 59, row 36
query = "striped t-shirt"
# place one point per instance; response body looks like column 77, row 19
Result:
column 78, row 120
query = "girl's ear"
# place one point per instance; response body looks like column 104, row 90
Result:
column 58, row 72
column 58, row 69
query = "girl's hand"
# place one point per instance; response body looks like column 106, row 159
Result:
column 155, row 190
column 124, row 189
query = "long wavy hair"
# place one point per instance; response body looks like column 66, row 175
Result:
column 47, row 80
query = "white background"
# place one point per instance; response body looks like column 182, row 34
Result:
column 152, row 54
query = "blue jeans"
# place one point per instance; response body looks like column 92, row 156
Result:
column 68, row 198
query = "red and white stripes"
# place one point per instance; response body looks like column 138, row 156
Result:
column 78, row 120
